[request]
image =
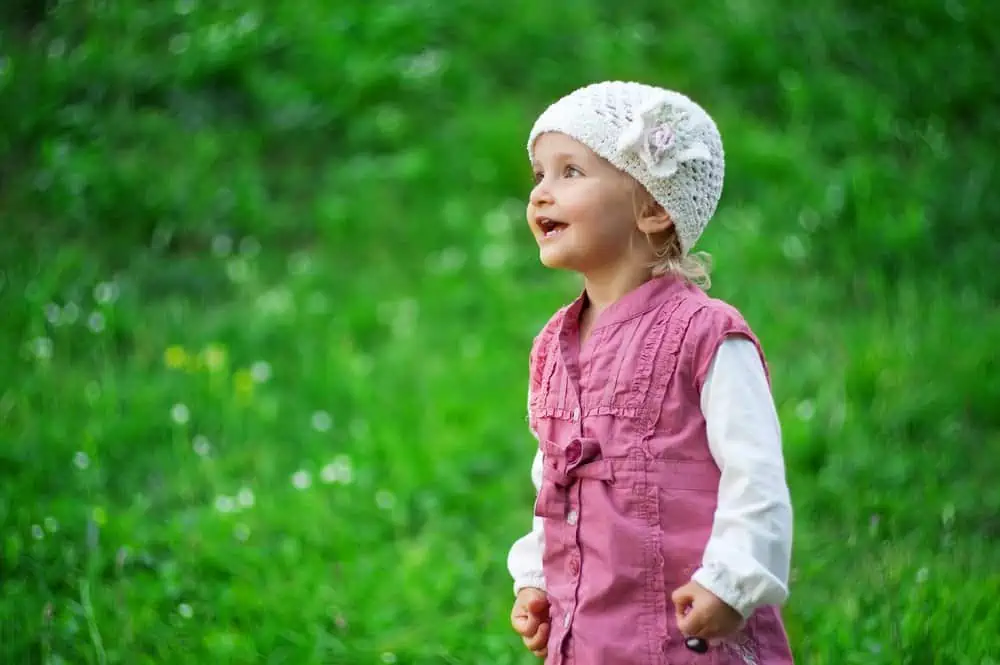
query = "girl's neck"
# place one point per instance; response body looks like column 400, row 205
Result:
column 604, row 290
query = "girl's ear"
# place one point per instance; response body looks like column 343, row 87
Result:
column 653, row 219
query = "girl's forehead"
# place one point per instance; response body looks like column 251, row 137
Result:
column 556, row 145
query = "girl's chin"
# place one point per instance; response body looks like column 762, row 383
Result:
column 562, row 254
column 551, row 258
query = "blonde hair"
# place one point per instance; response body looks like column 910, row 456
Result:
column 694, row 267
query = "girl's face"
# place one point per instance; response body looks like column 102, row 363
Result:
column 582, row 209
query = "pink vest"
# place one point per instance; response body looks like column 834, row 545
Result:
column 629, row 485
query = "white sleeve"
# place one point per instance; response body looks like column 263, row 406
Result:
column 524, row 561
column 748, row 556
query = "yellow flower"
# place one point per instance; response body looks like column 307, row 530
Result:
column 243, row 383
column 175, row 357
column 99, row 515
column 213, row 357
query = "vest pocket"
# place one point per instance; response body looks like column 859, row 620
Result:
column 643, row 560
column 687, row 516
column 687, row 493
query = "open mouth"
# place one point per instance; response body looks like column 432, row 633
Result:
column 550, row 227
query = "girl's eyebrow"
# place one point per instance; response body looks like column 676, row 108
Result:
column 559, row 157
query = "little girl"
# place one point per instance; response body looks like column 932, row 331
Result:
column 663, row 523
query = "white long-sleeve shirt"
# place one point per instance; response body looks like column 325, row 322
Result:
column 746, row 562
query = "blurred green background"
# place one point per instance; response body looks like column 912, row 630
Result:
column 267, row 293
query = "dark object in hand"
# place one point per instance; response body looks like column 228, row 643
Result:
column 696, row 644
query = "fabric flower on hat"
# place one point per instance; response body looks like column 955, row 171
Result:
column 660, row 135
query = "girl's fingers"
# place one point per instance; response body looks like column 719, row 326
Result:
column 538, row 641
column 696, row 623
column 527, row 625
column 538, row 606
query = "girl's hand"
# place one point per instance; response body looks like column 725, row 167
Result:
column 530, row 618
column 700, row 613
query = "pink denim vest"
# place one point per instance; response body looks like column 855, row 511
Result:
column 629, row 486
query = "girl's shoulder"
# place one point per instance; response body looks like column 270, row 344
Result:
column 701, row 312
column 720, row 312
column 712, row 322
column 544, row 337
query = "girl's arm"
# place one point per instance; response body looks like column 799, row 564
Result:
column 746, row 562
column 524, row 561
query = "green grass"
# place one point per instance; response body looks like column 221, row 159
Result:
column 266, row 302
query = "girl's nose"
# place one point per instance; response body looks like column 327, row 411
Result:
column 540, row 194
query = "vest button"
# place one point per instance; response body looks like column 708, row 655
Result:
column 574, row 567
column 572, row 517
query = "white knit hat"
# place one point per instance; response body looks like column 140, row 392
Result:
column 660, row 137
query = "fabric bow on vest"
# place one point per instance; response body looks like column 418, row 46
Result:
column 580, row 459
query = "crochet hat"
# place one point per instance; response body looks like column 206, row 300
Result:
column 660, row 137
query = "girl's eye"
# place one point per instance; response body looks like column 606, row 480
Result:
column 572, row 171
column 537, row 177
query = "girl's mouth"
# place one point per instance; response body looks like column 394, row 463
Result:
column 550, row 227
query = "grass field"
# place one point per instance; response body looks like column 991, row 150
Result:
column 267, row 293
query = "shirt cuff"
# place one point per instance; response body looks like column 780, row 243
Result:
column 525, row 580
column 725, row 587
column 743, row 595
